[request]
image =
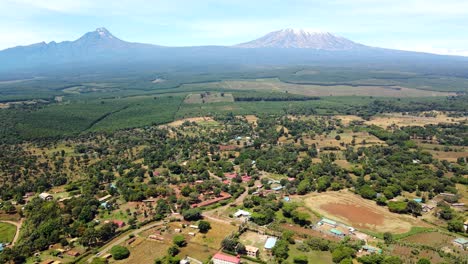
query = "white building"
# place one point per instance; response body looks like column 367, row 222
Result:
column 46, row 196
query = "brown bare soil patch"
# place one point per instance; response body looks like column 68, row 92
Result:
column 351, row 209
column 191, row 119
column 354, row 213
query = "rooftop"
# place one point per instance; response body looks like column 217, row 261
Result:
column 270, row 242
column 227, row 258
column 328, row 221
column 251, row 248
column 461, row 240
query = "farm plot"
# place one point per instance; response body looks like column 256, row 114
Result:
column 433, row 239
column 208, row 97
column 359, row 213
column 274, row 84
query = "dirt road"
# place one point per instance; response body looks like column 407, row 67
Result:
column 18, row 227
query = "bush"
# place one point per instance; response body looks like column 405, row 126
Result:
column 119, row 252
column 204, row 226
column 179, row 240
column 397, row 207
column 301, row 260
column 192, row 214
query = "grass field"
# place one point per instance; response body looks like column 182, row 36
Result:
column 316, row 257
column 274, row 84
column 7, row 232
column 360, row 213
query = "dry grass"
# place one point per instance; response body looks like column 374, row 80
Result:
column 347, row 119
column 399, row 119
column 146, row 251
column 360, row 138
column 360, row 213
column 178, row 123
column 434, row 239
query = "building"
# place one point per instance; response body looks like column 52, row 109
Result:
column 220, row 258
column 337, row 232
column 46, row 196
column 270, row 243
column 328, row 222
column 240, row 213
column 371, row 249
column 1, row 247
column 73, row 253
column 461, row 242
column 251, row 251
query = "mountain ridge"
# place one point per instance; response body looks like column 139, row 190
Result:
column 100, row 49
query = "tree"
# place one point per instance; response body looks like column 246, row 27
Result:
column 301, row 259
column 204, row 226
column 423, row 261
column 173, row 250
column 367, row 192
column 280, row 250
column 229, row 243
column 414, row 207
column 192, row 214
column 119, row 252
column 388, row 238
column 342, row 252
column 179, row 240
column 455, row 225
column 392, row 260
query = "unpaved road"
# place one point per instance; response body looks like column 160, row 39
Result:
column 18, row 227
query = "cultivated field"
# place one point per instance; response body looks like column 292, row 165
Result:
column 433, row 239
column 208, row 98
column 360, row 213
column 274, row 84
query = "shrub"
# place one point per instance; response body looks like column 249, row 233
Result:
column 119, row 252
column 204, row 226
column 179, row 240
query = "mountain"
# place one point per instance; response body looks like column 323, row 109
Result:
column 92, row 46
column 101, row 51
column 304, row 39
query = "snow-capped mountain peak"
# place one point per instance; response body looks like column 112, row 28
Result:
column 302, row 38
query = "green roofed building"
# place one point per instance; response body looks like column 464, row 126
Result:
column 461, row 242
column 329, row 222
column 336, row 232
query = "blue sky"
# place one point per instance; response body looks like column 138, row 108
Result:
column 421, row 25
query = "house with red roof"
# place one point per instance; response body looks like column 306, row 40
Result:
column 220, row 258
column 119, row 223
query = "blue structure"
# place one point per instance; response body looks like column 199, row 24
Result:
column 270, row 243
column 286, row 199
column 1, row 247
column 418, row 200
column 277, row 188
